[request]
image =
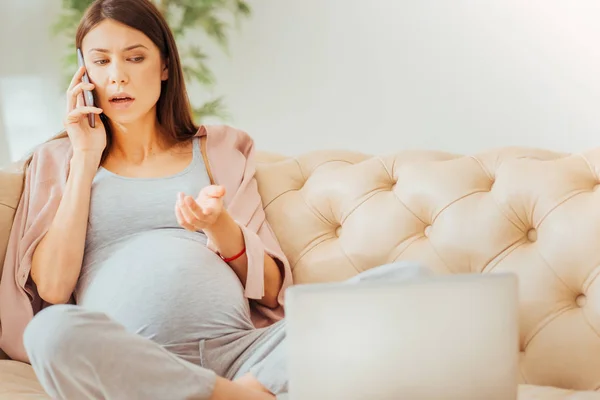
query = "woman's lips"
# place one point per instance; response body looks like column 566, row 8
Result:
column 121, row 104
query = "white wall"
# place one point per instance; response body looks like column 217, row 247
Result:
column 31, row 92
column 376, row 76
column 381, row 75
column 4, row 149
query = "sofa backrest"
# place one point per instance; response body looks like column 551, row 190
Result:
column 531, row 212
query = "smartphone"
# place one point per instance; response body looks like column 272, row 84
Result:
column 88, row 97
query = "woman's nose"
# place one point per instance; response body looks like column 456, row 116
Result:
column 118, row 79
column 118, row 75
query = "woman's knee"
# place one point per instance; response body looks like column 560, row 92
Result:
column 52, row 333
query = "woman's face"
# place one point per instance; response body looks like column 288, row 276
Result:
column 126, row 68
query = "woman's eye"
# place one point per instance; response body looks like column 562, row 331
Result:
column 134, row 59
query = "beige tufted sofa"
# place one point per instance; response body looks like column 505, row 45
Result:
column 532, row 212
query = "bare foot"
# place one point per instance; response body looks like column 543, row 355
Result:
column 249, row 381
column 229, row 390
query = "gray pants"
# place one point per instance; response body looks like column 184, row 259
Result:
column 80, row 354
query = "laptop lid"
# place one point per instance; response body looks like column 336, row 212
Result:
column 445, row 337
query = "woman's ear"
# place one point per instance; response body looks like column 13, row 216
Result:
column 165, row 71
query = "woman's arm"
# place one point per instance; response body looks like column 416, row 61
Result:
column 56, row 262
column 263, row 278
column 228, row 239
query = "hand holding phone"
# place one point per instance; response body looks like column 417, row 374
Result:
column 88, row 97
column 85, row 136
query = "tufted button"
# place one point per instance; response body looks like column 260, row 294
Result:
column 581, row 300
column 428, row 230
column 532, row 235
column 338, row 231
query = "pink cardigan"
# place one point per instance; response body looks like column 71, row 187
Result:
column 230, row 154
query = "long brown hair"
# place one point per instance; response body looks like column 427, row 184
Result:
column 173, row 109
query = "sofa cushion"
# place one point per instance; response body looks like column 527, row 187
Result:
column 18, row 382
column 531, row 392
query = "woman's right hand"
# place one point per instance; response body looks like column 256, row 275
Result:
column 84, row 138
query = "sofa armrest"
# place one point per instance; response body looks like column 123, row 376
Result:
column 532, row 392
column 11, row 186
column 18, row 382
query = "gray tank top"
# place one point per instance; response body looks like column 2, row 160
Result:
column 149, row 274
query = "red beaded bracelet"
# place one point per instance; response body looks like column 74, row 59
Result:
column 238, row 255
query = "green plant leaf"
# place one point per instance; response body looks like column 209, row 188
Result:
column 77, row 5
column 242, row 8
column 212, row 108
column 200, row 73
column 215, row 28
column 66, row 22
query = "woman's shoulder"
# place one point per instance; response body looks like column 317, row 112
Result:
column 57, row 148
column 57, row 145
column 227, row 141
column 224, row 132
column 50, row 158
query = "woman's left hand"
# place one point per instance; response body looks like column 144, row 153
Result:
column 202, row 212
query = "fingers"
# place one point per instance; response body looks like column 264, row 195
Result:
column 209, row 205
column 210, row 198
column 188, row 214
column 80, row 101
column 75, row 116
column 76, row 78
column 74, row 93
column 215, row 191
column 181, row 219
column 193, row 207
column 74, row 82
column 194, row 215
column 188, row 219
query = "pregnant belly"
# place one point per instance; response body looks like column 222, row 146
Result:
column 169, row 288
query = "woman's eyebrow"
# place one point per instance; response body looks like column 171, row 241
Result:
column 135, row 46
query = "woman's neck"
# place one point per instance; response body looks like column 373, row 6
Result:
column 137, row 141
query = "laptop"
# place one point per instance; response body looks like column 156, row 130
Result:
column 451, row 337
